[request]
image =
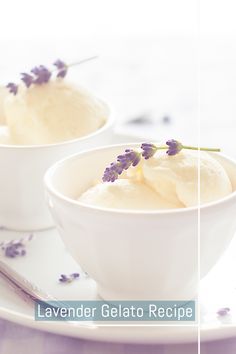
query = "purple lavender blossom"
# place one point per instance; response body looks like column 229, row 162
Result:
column 62, row 68
column 63, row 278
column 31, row 236
column 42, row 74
column 224, row 311
column 68, row 278
column 27, row 79
column 13, row 88
column 112, row 172
column 174, row 147
column 3, row 228
column 148, row 150
column 75, row 275
column 130, row 158
column 15, row 248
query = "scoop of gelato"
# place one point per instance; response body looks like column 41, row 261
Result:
column 125, row 194
column 175, row 178
column 163, row 182
column 55, row 112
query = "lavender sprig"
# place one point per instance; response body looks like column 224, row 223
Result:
column 148, row 150
column 40, row 75
column 14, row 248
column 68, row 278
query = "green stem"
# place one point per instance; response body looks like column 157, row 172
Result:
column 78, row 62
column 82, row 61
column 190, row 148
column 201, row 148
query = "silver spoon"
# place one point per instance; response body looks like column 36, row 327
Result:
column 27, row 290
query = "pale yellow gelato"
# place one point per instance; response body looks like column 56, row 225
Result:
column 175, row 178
column 163, row 182
column 51, row 113
column 125, row 194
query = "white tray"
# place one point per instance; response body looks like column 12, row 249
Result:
column 47, row 258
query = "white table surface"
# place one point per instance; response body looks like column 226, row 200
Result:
column 21, row 340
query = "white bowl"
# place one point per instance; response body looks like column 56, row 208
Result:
column 22, row 202
column 137, row 254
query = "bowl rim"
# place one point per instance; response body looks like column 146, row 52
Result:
column 109, row 121
column 197, row 208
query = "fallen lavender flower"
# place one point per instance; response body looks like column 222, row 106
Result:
column 14, row 248
column 224, row 311
column 3, row 228
column 68, row 278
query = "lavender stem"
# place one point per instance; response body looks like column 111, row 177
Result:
column 82, row 61
column 200, row 148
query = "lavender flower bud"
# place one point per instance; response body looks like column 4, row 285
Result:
column 42, row 75
column 148, row 150
column 62, row 68
column 174, row 147
column 27, row 79
column 75, row 275
column 13, row 88
column 224, row 311
column 63, row 278
column 14, row 249
column 129, row 158
column 68, row 278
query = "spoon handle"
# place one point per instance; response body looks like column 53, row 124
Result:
column 23, row 287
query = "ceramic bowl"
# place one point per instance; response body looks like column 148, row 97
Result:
column 22, row 202
column 137, row 254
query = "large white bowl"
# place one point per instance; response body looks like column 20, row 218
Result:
column 22, row 201
column 137, row 254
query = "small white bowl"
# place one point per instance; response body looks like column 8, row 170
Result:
column 137, row 254
column 22, row 202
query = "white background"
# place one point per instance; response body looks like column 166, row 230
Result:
column 156, row 58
